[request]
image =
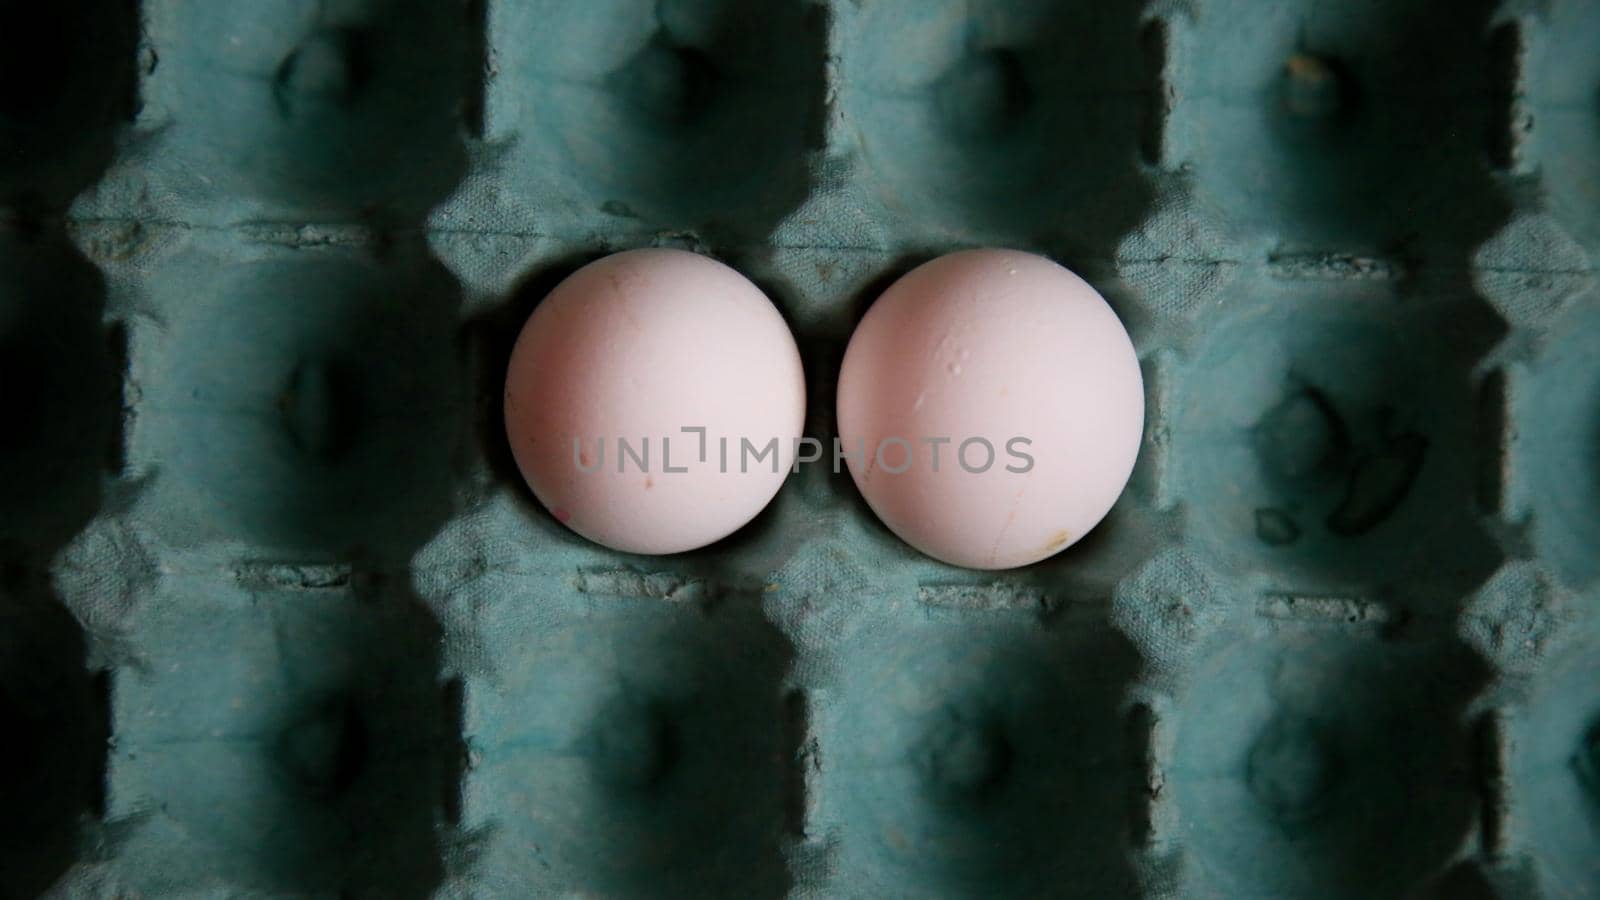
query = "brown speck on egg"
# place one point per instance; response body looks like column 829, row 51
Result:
column 1057, row 540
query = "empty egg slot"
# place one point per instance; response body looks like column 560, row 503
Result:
column 1363, row 127
column 978, row 750
column 1550, row 777
column 1301, row 738
column 1001, row 122
column 623, row 735
column 1559, row 117
column 697, row 117
column 1329, row 432
column 1556, row 420
column 320, row 112
column 299, row 741
column 312, row 405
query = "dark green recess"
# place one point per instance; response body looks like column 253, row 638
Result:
column 1327, row 435
column 1561, row 116
column 1557, row 773
column 1020, row 122
column 1558, row 435
column 1358, row 126
column 323, row 109
column 308, row 403
column 627, row 747
column 681, row 114
column 1307, row 762
column 981, row 754
column 283, row 740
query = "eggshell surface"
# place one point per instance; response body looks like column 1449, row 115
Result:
column 645, row 347
column 999, row 348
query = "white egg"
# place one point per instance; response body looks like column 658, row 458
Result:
column 642, row 394
column 992, row 406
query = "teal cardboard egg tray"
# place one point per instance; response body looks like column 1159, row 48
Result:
column 280, row 619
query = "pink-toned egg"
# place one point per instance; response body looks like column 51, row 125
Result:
column 633, row 390
column 992, row 406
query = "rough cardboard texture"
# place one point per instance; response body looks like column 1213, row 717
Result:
column 281, row 620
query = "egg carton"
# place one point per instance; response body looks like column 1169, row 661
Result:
column 280, row 618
